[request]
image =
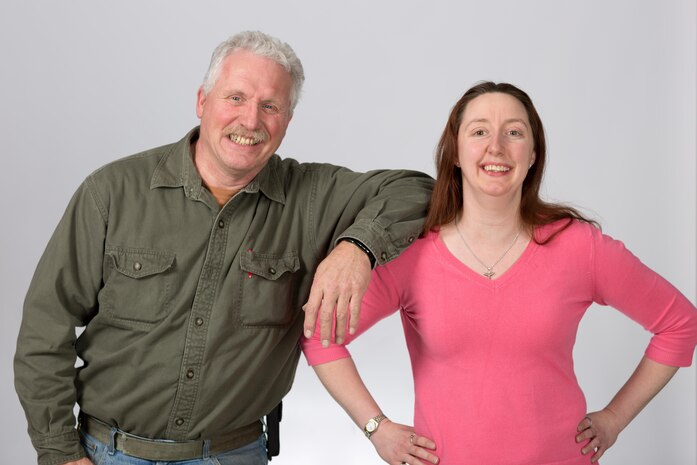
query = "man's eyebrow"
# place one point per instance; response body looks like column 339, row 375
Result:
column 232, row 91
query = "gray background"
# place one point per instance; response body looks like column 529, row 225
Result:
column 84, row 83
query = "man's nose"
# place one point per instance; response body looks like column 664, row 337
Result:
column 249, row 116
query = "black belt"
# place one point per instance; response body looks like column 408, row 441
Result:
column 150, row 449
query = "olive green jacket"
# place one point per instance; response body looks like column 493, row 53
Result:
column 191, row 312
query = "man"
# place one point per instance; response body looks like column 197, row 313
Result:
column 188, row 265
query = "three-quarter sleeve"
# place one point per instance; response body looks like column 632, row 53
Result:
column 622, row 281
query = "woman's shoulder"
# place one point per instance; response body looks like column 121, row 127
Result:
column 565, row 231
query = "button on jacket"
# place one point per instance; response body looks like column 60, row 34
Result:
column 192, row 312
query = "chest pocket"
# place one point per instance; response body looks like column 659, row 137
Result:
column 136, row 292
column 269, row 288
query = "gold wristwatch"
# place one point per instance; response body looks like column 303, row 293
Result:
column 372, row 425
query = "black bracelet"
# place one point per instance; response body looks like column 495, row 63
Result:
column 363, row 247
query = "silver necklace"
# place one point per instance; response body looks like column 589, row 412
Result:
column 489, row 273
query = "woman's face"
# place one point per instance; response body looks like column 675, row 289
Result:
column 495, row 146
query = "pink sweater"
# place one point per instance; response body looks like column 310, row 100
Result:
column 492, row 359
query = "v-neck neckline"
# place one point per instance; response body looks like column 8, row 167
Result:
column 477, row 276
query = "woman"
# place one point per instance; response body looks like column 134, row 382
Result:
column 491, row 297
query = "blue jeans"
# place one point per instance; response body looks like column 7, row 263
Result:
column 252, row 454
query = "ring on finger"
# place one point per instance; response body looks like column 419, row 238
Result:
column 412, row 436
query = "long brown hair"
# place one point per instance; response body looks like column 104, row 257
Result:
column 446, row 200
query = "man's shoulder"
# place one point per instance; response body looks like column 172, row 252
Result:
column 142, row 165
column 292, row 165
column 298, row 176
column 135, row 175
column 289, row 165
column 137, row 163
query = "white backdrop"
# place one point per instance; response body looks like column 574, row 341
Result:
column 84, row 82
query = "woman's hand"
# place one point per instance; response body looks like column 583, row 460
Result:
column 600, row 430
column 399, row 444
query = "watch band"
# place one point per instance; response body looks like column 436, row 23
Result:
column 373, row 424
column 363, row 247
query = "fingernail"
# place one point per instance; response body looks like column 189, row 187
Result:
column 352, row 331
column 325, row 343
column 339, row 340
column 308, row 333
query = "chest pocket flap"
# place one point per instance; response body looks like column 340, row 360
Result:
column 138, row 263
column 269, row 266
column 137, row 286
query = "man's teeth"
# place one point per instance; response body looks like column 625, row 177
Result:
column 243, row 140
column 497, row 168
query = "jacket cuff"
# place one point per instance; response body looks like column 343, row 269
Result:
column 378, row 240
column 56, row 450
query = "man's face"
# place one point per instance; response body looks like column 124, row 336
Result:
column 243, row 119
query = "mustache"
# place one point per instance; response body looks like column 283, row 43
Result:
column 258, row 135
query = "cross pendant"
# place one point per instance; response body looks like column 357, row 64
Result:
column 489, row 273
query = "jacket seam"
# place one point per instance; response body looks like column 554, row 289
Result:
column 96, row 199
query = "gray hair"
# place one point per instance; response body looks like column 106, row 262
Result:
column 262, row 45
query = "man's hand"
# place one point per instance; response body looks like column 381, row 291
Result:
column 339, row 283
column 83, row 461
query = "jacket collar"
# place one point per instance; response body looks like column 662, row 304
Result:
column 176, row 169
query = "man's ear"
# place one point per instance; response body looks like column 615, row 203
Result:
column 200, row 102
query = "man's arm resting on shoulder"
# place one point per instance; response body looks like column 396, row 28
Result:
column 389, row 208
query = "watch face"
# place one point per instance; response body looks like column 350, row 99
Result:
column 371, row 426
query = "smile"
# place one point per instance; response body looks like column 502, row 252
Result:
column 245, row 140
column 496, row 168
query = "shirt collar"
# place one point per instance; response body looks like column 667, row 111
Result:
column 269, row 181
column 177, row 169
